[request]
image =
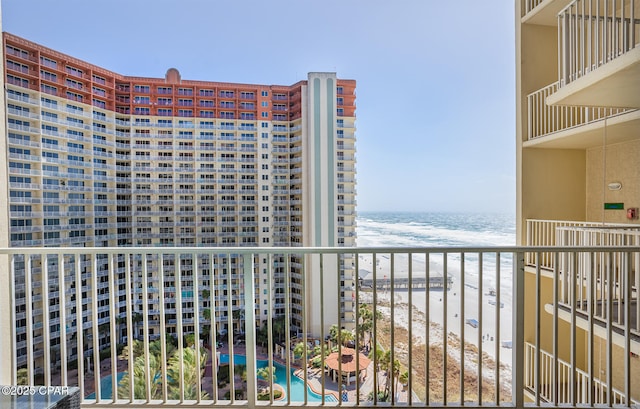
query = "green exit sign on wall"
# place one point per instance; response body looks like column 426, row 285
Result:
column 613, row 206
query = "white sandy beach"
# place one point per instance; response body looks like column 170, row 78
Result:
column 489, row 340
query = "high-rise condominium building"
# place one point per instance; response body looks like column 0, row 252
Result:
column 96, row 158
column 578, row 184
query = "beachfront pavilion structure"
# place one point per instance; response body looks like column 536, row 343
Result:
column 578, row 184
column 96, row 158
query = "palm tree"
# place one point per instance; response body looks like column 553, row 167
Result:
column 393, row 371
column 367, row 317
column 190, row 374
column 340, row 336
column 298, row 350
column 174, row 379
column 266, row 373
column 238, row 317
column 278, row 328
column 404, row 378
column 206, row 329
column 345, row 336
column 136, row 318
column 262, row 335
column 140, row 377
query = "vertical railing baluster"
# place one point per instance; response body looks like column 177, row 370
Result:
column 391, row 369
column 196, row 322
column 79, row 321
column 358, row 338
column 287, row 322
column 28, row 291
column 497, row 326
column 445, row 331
column 179, row 326
column 556, row 301
column 62, row 302
column 163, row 328
column 130, row 328
column 373, row 342
column 627, row 272
column 94, row 325
column 113, row 327
column 322, row 336
column 410, row 329
column 591, row 305
column 517, row 374
column 427, row 331
column 46, row 328
column 538, row 328
column 270, row 272
column 305, row 365
column 609, row 304
column 145, row 328
column 462, row 295
column 480, row 322
column 250, row 328
column 339, row 335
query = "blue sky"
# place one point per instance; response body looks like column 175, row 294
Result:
column 435, row 80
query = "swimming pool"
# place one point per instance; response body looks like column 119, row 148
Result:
column 297, row 384
column 106, row 387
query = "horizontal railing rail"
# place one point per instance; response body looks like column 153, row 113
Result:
column 168, row 327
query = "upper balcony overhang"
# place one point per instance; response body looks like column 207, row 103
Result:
column 614, row 84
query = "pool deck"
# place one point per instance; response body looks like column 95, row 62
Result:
column 314, row 377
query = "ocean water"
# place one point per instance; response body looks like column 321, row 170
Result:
column 409, row 229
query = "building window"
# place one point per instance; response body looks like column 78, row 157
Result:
column 74, row 84
column 99, row 80
column 46, row 75
column 141, row 111
column 47, row 62
column 73, row 71
column 141, row 88
column 46, row 88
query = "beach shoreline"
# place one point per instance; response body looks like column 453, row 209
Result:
column 470, row 327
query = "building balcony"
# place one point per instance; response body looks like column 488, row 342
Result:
column 487, row 304
column 575, row 126
column 598, row 54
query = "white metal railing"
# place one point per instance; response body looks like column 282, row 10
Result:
column 546, row 119
column 588, row 389
column 198, row 294
column 592, row 33
column 529, row 5
column 595, row 283
column 543, row 233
